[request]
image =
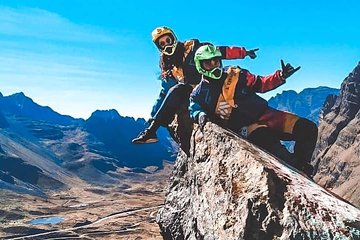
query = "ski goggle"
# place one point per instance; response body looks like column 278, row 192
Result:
column 209, row 64
column 212, row 67
column 164, row 41
column 166, row 44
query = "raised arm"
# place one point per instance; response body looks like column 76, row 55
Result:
column 264, row 84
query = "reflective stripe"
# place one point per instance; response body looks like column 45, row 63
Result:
column 226, row 101
column 188, row 45
column 228, row 89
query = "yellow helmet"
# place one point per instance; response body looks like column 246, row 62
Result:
column 161, row 31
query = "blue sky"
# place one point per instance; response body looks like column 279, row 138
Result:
column 82, row 55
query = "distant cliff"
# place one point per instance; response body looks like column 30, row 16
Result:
column 230, row 189
column 337, row 154
column 308, row 103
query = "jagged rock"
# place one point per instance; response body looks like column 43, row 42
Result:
column 328, row 104
column 337, row 154
column 230, row 189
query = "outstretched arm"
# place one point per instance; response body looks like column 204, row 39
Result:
column 237, row 52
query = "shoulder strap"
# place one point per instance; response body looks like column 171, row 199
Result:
column 190, row 45
column 230, row 83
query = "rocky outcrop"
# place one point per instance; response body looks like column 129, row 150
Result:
column 337, row 154
column 229, row 189
column 328, row 104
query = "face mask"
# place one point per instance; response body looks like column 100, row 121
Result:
column 169, row 50
column 215, row 73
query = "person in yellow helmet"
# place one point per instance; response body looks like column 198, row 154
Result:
column 179, row 76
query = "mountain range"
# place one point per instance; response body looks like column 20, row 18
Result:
column 42, row 149
column 308, row 103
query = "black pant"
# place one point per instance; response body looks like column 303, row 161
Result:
column 176, row 99
column 176, row 102
column 304, row 134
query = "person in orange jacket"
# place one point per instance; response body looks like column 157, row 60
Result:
column 179, row 76
column 228, row 96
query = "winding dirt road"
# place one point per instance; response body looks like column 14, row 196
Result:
column 70, row 233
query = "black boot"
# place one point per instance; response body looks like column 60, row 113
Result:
column 304, row 167
column 148, row 135
column 305, row 134
column 308, row 169
column 266, row 138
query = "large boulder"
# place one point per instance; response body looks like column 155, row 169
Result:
column 230, row 189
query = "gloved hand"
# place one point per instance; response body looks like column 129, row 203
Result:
column 287, row 70
column 202, row 119
column 251, row 53
column 165, row 74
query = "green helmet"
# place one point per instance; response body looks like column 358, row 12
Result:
column 207, row 52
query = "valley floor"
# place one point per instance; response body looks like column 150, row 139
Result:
column 125, row 211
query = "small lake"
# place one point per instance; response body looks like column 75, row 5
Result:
column 49, row 220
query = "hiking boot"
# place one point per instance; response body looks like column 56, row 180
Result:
column 146, row 137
